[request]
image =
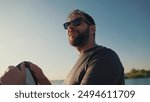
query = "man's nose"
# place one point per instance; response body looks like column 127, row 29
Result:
column 71, row 26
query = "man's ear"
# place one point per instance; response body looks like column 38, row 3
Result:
column 92, row 29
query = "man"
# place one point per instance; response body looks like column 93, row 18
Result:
column 97, row 65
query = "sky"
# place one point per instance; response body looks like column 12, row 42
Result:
column 32, row 30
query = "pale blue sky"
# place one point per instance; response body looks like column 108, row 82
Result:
column 32, row 30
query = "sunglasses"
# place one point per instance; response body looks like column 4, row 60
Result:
column 75, row 22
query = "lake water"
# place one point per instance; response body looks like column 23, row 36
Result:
column 139, row 81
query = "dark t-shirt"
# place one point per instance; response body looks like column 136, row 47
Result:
column 97, row 66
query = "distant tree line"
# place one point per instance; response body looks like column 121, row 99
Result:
column 136, row 73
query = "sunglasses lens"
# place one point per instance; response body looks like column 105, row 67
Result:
column 66, row 25
column 77, row 22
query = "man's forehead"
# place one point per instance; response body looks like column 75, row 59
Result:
column 74, row 16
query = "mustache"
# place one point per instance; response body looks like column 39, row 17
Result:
column 73, row 31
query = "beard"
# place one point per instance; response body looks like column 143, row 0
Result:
column 81, row 39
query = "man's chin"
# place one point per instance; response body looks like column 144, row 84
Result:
column 74, row 44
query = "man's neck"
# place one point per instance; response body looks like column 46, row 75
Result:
column 83, row 48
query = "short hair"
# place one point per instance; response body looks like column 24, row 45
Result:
column 87, row 16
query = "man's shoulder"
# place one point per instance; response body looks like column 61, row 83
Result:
column 104, row 49
column 103, row 52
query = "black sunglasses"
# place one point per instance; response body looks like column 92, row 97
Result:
column 75, row 22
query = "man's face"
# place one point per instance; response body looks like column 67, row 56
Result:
column 78, row 33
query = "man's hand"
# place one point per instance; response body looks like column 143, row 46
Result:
column 39, row 75
column 14, row 76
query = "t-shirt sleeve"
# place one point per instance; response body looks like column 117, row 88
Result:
column 104, row 69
